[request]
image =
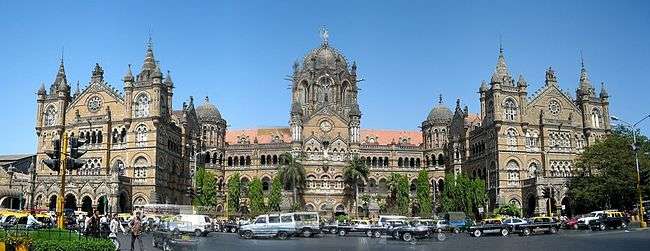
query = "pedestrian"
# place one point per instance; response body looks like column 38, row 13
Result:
column 136, row 230
column 32, row 222
column 92, row 225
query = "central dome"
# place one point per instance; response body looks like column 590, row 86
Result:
column 207, row 112
column 325, row 56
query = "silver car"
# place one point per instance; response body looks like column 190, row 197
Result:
column 281, row 226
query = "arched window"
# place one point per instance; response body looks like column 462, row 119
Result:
column 509, row 109
column 512, row 137
column 141, row 136
column 532, row 170
column 140, row 167
column 119, row 168
column 441, row 159
column 50, row 116
column 123, row 136
column 595, row 118
column 512, row 168
column 141, row 106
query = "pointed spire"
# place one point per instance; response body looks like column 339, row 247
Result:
column 41, row 90
column 483, row 86
column 78, row 91
column 584, row 86
column 458, row 108
column 603, row 91
column 354, row 68
column 60, row 75
column 149, row 61
column 501, row 74
column 128, row 77
column 521, row 81
column 168, row 80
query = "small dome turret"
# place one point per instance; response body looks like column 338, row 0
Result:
column 440, row 113
column 207, row 112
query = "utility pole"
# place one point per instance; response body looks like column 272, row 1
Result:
column 60, row 215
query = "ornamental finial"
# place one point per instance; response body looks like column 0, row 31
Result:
column 324, row 35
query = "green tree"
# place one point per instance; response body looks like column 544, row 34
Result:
column 463, row 194
column 293, row 175
column 234, row 191
column 607, row 175
column 402, row 198
column 424, row 194
column 390, row 205
column 207, row 183
column 355, row 173
column 256, row 197
column 275, row 197
column 510, row 209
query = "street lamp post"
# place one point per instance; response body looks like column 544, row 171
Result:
column 10, row 170
column 642, row 223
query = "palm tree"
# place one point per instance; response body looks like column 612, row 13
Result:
column 356, row 172
column 292, row 173
column 392, row 184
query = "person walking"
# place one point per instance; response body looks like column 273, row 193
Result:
column 92, row 225
column 115, row 227
column 32, row 222
column 136, row 230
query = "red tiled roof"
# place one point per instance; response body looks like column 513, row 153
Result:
column 266, row 135
column 385, row 137
column 472, row 119
column 263, row 135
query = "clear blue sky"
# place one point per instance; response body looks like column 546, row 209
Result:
column 239, row 53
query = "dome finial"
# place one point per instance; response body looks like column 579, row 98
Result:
column 207, row 99
column 440, row 99
column 324, row 35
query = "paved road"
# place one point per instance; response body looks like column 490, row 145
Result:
column 565, row 240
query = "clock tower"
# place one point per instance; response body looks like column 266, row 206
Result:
column 325, row 115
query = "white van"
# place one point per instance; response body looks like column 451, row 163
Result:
column 281, row 226
column 307, row 223
column 198, row 224
column 383, row 219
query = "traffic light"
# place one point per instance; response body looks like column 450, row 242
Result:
column 74, row 162
column 54, row 162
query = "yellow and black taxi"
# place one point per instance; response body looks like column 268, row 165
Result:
column 537, row 225
column 489, row 226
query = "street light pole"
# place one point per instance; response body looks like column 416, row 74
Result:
column 10, row 171
column 642, row 223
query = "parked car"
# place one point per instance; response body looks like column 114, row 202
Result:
column 307, row 223
column 610, row 219
column 198, row 224
column 384, row 220
column 538, row 225
column 413, row 231
column 357, row 226
column 458, row 221
column 281, row 226
column 489, row 226
column 513, row 222
column 435, row 226
column 584, row 221
column 229, row 227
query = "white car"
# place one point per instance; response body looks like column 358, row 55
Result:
column 384, row 219
column 514, row 221
column 198, row 224
column 584, row 221
column 270, row 225
column 308, row 223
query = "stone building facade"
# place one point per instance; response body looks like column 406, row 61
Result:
column 522, row 144
column 138, row 147
column 142, row 151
